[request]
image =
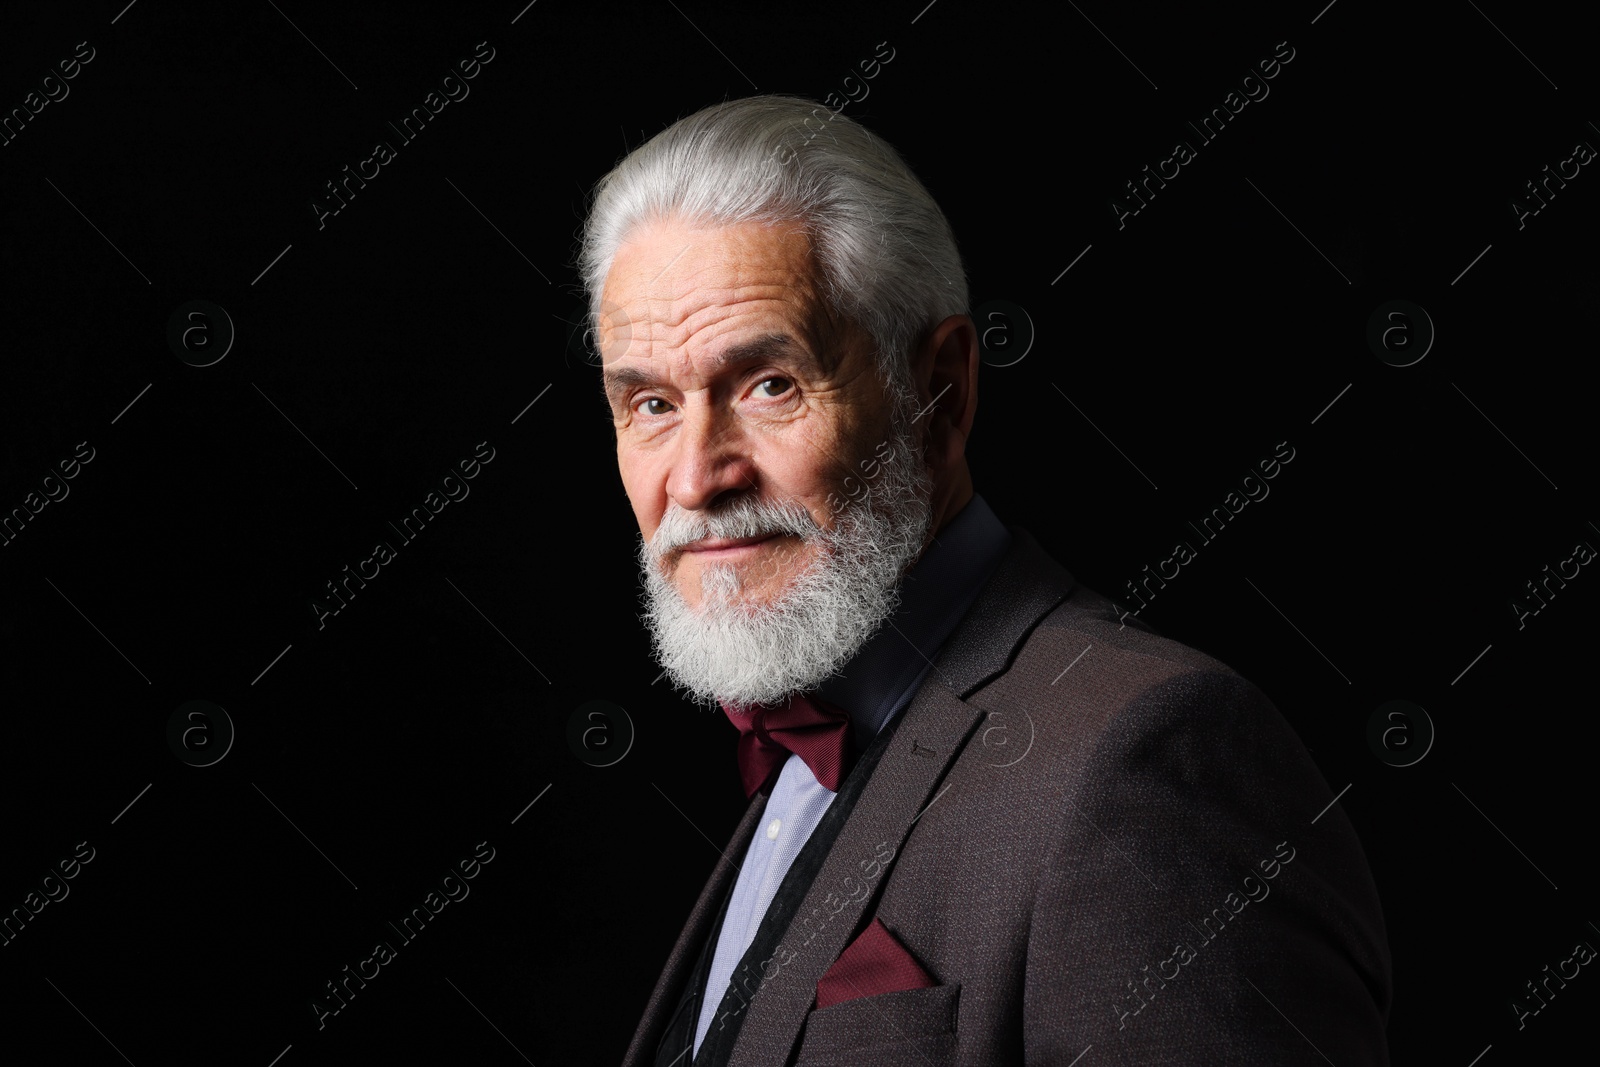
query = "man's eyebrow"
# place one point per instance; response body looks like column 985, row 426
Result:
column 618, row 380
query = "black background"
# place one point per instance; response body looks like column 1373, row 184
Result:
column 380, row 349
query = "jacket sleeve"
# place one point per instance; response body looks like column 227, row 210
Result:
column 1200, row 901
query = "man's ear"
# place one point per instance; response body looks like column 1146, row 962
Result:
column 944, row 370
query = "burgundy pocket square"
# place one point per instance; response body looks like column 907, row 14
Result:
column 875, row 962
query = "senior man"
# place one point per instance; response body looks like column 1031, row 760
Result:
column 991, row 820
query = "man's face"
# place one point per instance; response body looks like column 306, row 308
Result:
column 741, row 406
column 728, row 377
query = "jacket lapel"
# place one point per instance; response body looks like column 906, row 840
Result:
column 1025, row 586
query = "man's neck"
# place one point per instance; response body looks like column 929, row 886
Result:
column 963, row 497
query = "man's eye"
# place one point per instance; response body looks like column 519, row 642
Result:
column 783, row 386
column 648, row 410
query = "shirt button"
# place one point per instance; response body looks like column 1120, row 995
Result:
column 773, row 828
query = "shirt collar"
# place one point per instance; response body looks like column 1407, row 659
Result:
column 934, row 594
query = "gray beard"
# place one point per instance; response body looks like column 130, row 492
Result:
column 733, row 652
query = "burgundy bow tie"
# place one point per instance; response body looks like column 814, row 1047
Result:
column 811, row 728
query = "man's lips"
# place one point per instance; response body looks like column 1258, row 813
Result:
column 721, row 544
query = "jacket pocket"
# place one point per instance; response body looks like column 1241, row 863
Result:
column 906, row 1028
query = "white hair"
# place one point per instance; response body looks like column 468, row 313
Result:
column 887, row 254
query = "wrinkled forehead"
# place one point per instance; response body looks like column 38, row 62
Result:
column 676, row 289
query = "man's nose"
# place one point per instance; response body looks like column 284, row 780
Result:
column 712, row 458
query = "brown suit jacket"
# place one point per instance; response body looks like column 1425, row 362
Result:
column 1098, row 842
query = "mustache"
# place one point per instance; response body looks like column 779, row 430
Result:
column 743, row 518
